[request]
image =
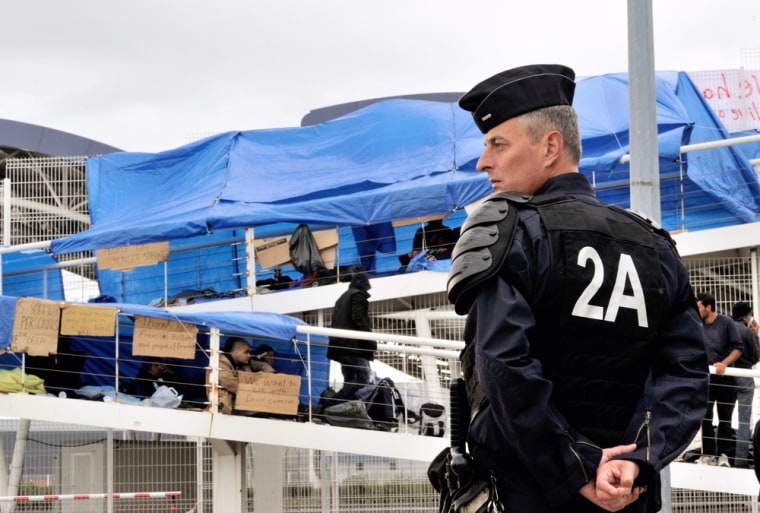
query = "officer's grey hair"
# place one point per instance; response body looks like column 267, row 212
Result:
column 562, row 118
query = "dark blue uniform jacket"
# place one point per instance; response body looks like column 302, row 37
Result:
column 520, row 433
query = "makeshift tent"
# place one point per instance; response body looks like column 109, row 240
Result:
column 98, row 353
column 395, row 159
column 392, row 160
column 29, row 274
column 699, row 190
column 198, row 268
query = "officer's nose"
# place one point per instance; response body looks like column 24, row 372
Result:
column 483, row 163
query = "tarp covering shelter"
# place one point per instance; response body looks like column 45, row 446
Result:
column 394, row 159
column 699, row 190
column 28, row 273
column 376, row 164
column 391, row 160
column 278, row 331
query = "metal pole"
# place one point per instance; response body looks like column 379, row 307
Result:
column 6, row 222
column 109, row 469
column 645, row 173
column 645, row 170
column 19, row 455
column 199, row 498
column 250, row 262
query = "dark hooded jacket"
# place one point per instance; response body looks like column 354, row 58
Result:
column 352, row 313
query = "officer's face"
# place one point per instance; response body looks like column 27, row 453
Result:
column 513, row 162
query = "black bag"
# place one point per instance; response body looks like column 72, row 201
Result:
column 304, row 252
column 462, row 487
column 384, row 402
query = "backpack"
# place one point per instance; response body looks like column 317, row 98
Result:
column 384, row 404
column 432, row 421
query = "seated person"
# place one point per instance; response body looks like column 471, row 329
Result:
column 278, row 282
column 262, row 359
column 235, row 357
column 149, row 377
column 435, row 238
column 61, row 371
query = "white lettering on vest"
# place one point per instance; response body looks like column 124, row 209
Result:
column 626, row 273
column 618, row 299
column 583, row 307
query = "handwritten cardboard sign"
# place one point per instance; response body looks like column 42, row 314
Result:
column 268, row 392
column 128, row 257
column 163, row 337
column 733, row 95
column 35, row 327
column 94, row 321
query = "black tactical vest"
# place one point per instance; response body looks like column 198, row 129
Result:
column 598, row 320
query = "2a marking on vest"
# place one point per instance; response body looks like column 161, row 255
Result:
column 626, row 274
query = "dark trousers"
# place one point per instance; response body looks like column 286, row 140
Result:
column 722, row 395
column 356, row 374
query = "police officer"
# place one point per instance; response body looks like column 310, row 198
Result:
column 585, row 367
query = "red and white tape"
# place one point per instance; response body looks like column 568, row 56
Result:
column 88, row 496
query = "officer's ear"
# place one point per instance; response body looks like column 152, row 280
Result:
column 553, row 146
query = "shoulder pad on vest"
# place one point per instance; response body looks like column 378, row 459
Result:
column 482, row 246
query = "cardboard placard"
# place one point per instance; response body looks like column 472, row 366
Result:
column 163, row 338
column 268, row 392
column 128, row 257
column 94, row 321
column 35, row 327
column 327, row 242
column 271, row 252
column 276, row 250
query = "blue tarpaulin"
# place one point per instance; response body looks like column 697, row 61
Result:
column 698, row 190
column 395, row 159
column 391, row 160
column 29, row 274
column 276, row 330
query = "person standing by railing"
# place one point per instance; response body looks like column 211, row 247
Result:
column 352, row 313
column 745, row 391
column 724, row 347
column 234, row 359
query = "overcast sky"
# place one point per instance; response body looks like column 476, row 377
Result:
column 151, row 75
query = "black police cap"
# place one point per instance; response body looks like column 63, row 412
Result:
column 518, row 91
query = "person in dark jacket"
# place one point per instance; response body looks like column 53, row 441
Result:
column 351, row 312
column 436, row 238
column 149, row 377
column 745, row 386
column 584, row 363
column 724, row 348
